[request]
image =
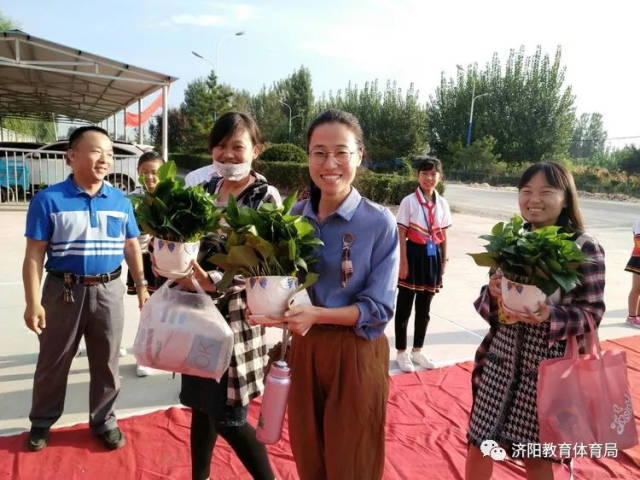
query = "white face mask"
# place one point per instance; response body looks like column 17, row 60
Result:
column 232, row 171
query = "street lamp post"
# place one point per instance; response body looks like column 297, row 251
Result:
column 473, row 101
column 203, row 58
column 237, row 34
column 215, row 65
column 287, row 105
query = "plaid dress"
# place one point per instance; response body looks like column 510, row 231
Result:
column 505, row 374
column 243, row 380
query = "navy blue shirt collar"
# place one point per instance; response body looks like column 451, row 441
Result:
column 346, row 210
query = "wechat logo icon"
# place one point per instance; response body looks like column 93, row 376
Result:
column 490, row 448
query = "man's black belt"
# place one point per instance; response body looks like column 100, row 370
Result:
column 87, row 280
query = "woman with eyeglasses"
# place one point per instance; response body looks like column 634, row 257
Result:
column 339, row 354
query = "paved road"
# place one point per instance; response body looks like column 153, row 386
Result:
column 499, row 203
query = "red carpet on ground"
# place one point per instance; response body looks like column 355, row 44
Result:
column 427, row 418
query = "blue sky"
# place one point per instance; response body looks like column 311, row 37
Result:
column 358, row 40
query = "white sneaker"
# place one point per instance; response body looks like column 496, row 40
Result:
column 123, row 351
column 404, row 362
column 142, row 371
column 422, row 360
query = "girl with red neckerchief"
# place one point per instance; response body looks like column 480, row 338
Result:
column 423, row 219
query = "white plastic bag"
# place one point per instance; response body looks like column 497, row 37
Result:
column 182, row 331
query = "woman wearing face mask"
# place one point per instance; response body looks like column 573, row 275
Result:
column 221, row 407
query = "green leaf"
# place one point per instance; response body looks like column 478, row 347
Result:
column 289, row 202
column 293, row 250
column 310, row 279
column 497, row 229
column 483, row 259
column 263, row 247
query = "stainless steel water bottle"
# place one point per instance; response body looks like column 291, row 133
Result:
column 274, row 402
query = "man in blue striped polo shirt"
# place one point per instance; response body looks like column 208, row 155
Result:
column 85, row 227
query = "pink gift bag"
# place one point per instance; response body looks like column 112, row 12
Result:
column 585, row 398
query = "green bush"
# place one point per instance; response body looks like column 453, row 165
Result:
column 286, row 176
column 284, row 152
column 386, row 188
column 400, row 166
column 190, row 161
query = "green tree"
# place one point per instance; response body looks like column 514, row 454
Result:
column 394, row 123
column 177, row 126
column 529, row 109
column 297, row 92
column 267, row 112
column 478, row 157
column 628, row 159
column 204, row 99
column 7, row 24
column 589, row 136
column 273, row 116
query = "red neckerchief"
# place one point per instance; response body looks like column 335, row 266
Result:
column 430, row 208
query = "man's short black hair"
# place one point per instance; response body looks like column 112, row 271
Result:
column 78, row 132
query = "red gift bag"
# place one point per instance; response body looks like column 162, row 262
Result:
column 586, row 398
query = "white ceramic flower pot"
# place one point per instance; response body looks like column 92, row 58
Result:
column 270, row 295
column 516, row 296
column 173, row 259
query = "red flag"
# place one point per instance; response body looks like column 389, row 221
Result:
column 134, row 120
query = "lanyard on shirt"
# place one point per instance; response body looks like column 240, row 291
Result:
column 431, row 220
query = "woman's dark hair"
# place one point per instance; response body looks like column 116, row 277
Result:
column 430, row 163
column 150, row 156
column 333, row 115
column 231, row 122
column 558, row 177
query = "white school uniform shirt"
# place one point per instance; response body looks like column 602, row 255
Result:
column 412, row 216
column 636, row 227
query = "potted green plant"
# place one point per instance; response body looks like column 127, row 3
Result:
column 269, row 247
column 534, row 263
column 177, row 218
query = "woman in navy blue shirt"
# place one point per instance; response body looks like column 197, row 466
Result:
column 339, row 354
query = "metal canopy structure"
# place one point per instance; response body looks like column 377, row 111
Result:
column 41, row 79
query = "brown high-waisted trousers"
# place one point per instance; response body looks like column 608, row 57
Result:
column 337, row 404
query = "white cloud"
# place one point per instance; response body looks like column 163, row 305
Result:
column 225, row 15
column 240, row 12
column 243, row 12
column 199, row 20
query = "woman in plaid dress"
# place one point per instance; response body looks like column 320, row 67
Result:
column 504, row 379
column 221, row 407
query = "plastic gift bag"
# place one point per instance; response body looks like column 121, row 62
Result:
column 586, row 398
column 182, row 331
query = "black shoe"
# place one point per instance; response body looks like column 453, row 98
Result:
column 112, row 439
column 38, row 437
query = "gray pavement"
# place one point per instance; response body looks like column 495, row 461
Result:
column 454, row 332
